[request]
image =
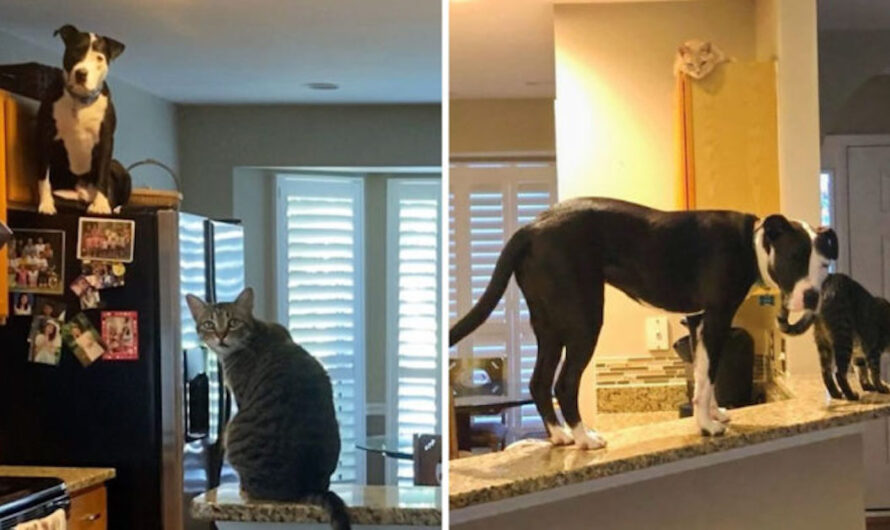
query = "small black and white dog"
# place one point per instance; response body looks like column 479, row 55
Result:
column 684, row 262
column 75, row 128
column 848, row 314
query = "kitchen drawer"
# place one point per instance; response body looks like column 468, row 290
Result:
column 88, row 510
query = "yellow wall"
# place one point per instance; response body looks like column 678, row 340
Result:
column 615, row 118
column 490, row 126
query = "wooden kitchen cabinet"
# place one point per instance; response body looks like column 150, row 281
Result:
column 89, row 509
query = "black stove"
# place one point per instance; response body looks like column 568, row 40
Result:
column 28, row 498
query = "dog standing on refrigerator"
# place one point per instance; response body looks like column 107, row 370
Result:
column 75, row 128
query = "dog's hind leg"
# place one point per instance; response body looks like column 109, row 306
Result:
column 541, row 385
column 580, row 343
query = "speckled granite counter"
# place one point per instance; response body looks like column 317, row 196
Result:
column 537, row 467
column 76, row 479
column 369, row 505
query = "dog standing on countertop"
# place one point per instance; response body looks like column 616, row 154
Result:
column 75, row 128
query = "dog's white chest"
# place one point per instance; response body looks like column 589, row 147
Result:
column 78, row 127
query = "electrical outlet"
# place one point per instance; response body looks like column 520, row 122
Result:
column 657, row 335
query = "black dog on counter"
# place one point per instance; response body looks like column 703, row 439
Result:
column 685, row 262
column 75, row 128
column 848, row 313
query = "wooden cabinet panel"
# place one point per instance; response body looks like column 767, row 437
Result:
column 89, row 510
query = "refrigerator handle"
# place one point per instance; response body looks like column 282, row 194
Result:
column 197, row 402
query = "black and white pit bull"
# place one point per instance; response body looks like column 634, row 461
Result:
column 684, row 262
column 75, row 128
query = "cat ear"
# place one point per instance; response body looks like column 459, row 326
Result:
column 245, row 299
column 196, row 305
column 683, row 50
column 706, row 47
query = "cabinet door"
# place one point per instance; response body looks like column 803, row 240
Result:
column 876, row 451
column 88, row 510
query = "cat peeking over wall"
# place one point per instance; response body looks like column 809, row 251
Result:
column 697, row 58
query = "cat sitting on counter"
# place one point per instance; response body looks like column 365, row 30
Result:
column 697, row 58
column 284, row 441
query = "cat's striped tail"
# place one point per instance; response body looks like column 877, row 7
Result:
column 336, row 508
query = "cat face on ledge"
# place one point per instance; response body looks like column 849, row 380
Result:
column 225, row 327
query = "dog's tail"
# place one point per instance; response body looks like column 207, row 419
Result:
column 500, row 279
column 798, row 328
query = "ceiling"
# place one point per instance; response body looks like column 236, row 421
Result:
column 501, row 52
column 256, row 51
column 504, row 49
column 854, row 15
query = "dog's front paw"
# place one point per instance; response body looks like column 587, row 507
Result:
column 712, row 428
column 47, row 208
column 586, row 439
column 559, row 435
column 720, row 414
column 99, row 205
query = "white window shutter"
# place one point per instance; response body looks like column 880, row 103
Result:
column 413, row 312
column 496, row 198
column 321, row 300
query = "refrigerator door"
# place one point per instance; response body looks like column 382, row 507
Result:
column 227, row 279
column 107, row 414
column 197, row 442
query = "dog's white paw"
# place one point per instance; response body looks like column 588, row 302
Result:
column 720, row 414
column 587, row 439
column 99, row 205
column 712, row 428
column 47, row 208
column 559, row 435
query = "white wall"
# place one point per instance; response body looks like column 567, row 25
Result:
column 789, row 33
column 146, row 124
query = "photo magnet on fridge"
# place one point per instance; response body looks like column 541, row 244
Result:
column 22, row 304
column 105, row 239
column 37, row 261
column 120, row 331
column 81, row 336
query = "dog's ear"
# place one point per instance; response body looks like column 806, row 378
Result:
column 774, row 226
column 114, row 47
column 67, row 32
column 826, row 242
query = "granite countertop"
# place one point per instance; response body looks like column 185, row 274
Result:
column 76, row 479
column 536, row 466
column 370, row 505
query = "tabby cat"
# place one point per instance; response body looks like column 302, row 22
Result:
column 284, row 441
column 697, row 58
column 847, row 313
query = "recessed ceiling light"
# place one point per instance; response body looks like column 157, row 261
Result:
column 322, row 85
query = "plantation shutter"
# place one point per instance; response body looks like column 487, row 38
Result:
column 321, row 278
column 490, row 202
column 413, row 311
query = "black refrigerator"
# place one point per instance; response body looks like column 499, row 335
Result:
column 157, row 419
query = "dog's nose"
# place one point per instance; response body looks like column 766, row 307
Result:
column 810, row 299
column 80, row 75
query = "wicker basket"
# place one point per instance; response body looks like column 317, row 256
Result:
column 146, row 197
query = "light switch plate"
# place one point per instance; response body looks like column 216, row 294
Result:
column 657, row 334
